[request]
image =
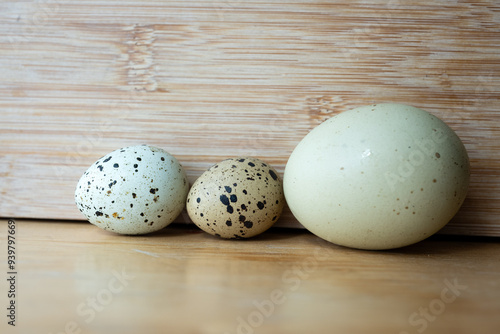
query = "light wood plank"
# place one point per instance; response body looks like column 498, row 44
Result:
column 209, row 80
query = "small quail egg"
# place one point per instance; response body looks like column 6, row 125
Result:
column 133, row 190
column 236, row 198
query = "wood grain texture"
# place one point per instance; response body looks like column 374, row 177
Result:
column 185, row 281
column 208, row 80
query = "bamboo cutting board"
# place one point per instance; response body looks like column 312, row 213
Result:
column 207, row 80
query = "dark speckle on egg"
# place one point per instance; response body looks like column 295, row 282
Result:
column 224, row 199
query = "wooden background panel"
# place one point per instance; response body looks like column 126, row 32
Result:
column 209, row 80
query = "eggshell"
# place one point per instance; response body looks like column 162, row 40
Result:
column 377, row 177
column 133, row 190
column 236, row 198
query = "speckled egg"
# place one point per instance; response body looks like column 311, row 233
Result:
column 236, row 198
column 133, row 190
column 377, row 177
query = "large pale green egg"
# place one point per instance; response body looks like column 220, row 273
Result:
column 377, row 177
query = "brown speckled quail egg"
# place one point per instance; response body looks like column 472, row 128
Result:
column 236, row 198
column 377, row 177
column 133, row 190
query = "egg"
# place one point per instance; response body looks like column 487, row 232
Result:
column 133, row 190
column 377, row 177
column 236, row 198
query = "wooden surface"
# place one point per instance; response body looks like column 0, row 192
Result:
column 183, row 280
column 207, row 80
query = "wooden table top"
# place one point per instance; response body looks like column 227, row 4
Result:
column 75, row 278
